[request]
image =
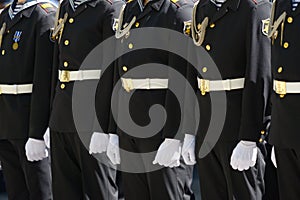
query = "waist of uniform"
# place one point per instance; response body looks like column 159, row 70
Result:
column 80, row 75
column 206, row 86
column 283, row 87
column 16, row 89
column 130, row 84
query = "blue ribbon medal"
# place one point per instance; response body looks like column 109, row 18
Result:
column 16, row 39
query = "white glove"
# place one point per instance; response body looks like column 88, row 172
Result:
column 244, row 155
column 273, row 157
column 113, row 151
column 47, row 138
column 168, row 153
column 35, row 150
column 99, row 142
column 188, row 149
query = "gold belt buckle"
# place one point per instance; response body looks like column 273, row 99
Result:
column 127, row 84
column 204, row 86
column 64, row 76
column 280, row 87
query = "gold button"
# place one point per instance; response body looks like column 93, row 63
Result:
column 285, row 45
column 62, row 86
column 204, row 69
column 71, row 20
column 67, row 42
column 289, row 20
column 7, row 31
column 66, row 64
column 212, row 26
column 207, row 47
column 137, row 24
column 262, row 132
column 124, row 68
column 261, row 140
column 281, row 96
column 279, row 70
column 3, row 52
column 130, row 46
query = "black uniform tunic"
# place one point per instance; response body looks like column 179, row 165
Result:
column 26, row 58
column 236, row 39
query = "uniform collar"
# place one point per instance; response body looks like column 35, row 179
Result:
column 91, row 3
column 232, row 4
column 28, row 4
column 156, row 4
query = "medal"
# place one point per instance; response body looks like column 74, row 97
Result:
column 16, row 39
column 15, row 46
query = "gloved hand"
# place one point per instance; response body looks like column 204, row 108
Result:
column 273, row 157
column 35, row 150
column 188, row 149
column 47, row 138
column 113, row 151
column 99, row 142
column 168, row 153
column 244, row 155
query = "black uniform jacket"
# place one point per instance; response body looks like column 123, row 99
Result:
column 285, row 67
column 236, row 40
column 26, row 115
column 169, row 15
column 85, row 28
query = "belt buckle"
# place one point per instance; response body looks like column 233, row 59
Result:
column 65, row 76
column 127, row 84
column 280, row 87
column 204, row 86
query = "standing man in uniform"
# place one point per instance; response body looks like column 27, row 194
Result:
column 157, row 176
column 25, row 80
column 234, row 34
column 284, row 133
column 81, row 26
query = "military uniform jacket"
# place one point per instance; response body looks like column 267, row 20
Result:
column 84, row 29
column 156, row 14
column 24, row 115
column 285, row 51
column 236, row 39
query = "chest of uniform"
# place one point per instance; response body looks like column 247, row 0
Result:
column 85, row 24
column 18, row 37
column 286, row 44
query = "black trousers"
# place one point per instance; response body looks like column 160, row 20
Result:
column 144, row 181
column 24, row 180
column 288, row 173
column 271, row 183
column 78, row 175
column 218, row 181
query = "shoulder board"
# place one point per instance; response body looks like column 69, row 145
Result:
column 178, row 3
column 129, row 1
column 47, row 7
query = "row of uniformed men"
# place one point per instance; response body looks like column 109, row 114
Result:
column 38, row 91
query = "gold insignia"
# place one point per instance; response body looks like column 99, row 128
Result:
column 265, row 26
column 187, row 28
column 46, row 5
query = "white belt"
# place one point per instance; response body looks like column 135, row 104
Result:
column 282, row 87
column 16, row 89
column 220, row 85
column 147, row 83
column 80, row 75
